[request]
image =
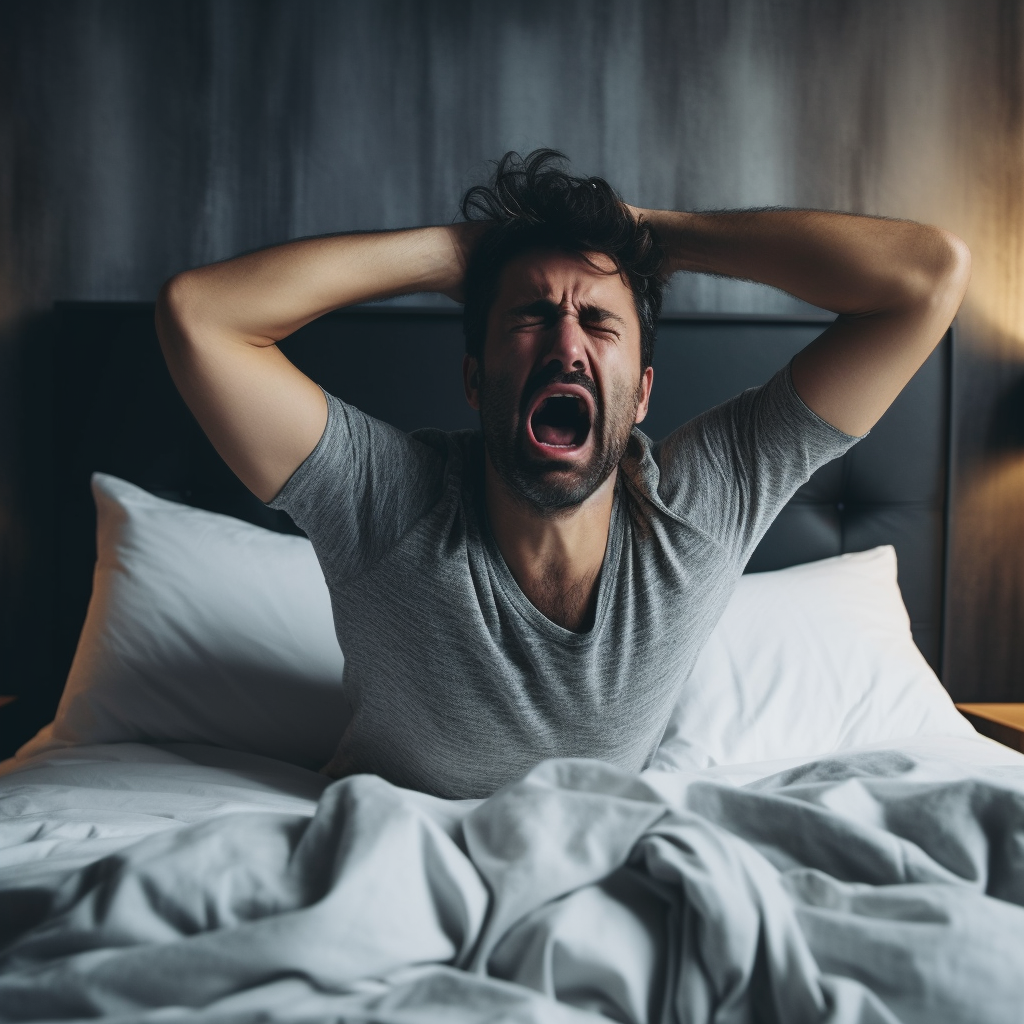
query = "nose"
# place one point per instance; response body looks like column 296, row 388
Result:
column 567, row 346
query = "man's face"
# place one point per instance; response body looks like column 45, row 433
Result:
column 559, row 387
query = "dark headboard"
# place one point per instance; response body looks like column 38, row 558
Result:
column 96, row 396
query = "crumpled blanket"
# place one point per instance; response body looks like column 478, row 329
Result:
column 871, row 887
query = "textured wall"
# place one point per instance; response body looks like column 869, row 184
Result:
column 140, row 138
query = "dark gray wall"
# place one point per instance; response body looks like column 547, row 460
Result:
column 140, row 138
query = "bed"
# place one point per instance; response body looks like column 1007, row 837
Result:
column 820, row 837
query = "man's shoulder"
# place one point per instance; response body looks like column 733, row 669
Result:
column 462, row 445
column 638, row 465
column 458, row 454
column 642, row 475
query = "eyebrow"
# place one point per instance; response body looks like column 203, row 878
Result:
column 546, row 308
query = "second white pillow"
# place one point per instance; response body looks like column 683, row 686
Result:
column 807, row 661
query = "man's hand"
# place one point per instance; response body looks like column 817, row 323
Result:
column 895, row 286
column 464, row 237
column 219, row 325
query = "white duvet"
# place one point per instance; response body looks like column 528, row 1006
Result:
column 190, row 883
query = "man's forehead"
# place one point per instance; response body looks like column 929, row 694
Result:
column 543, row 274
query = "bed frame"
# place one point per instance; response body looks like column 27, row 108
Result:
column 96, row 396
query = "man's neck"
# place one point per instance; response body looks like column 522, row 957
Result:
column 556, row 560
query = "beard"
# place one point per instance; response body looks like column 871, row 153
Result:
column 548, row 486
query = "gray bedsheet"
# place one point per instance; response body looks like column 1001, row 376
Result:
column 869, row 887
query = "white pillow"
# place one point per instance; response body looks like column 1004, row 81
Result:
column 807, row 661
column 201, row 628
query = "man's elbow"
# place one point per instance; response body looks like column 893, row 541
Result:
column 176, row 309
column 955, row 269
column 941, row 273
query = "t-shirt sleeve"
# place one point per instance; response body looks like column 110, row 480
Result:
column 361, row 489
column 729, row 471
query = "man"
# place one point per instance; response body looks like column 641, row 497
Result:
column 543, row 587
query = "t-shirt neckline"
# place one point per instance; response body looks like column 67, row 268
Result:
column 526, row 608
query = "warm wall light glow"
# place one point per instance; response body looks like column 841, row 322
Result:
column 985, row 599
column 995, row 300
column 1002, row 477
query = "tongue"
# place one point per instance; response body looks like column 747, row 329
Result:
column 548, row 433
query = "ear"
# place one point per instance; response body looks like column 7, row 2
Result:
column 471, row 380
column 646, row 383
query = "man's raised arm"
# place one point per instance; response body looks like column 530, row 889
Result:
column 895, row 286
column 219, row 325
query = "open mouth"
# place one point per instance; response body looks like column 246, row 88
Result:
column 561, row 420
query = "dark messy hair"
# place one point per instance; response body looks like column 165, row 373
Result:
column 533, row 203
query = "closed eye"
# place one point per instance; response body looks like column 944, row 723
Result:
column 526, row 322
column 535, row 314
column 600, row 326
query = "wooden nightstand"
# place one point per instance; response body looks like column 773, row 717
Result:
column 1001, row 722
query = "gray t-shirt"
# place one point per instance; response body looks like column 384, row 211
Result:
column 456, row 683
